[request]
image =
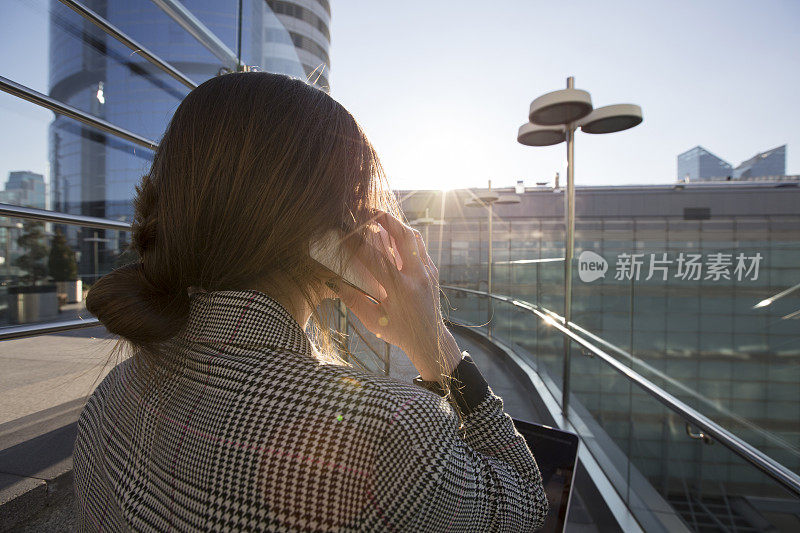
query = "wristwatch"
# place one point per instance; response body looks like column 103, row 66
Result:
column 468, row 386
column 435, row 386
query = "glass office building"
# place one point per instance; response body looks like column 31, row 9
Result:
column 698, row 164
column 94, row 174
column 765, row 164
column 25, row 188
column 308, row 25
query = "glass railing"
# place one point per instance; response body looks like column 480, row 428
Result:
column 44, row 279
column 359, row 346
column 692, row 304
column 538, row 279
column 669, row 462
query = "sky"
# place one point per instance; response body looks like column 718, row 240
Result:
column 441, row 87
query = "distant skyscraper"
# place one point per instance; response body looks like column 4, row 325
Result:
column 308, row 23
column 769, row 163
column 698, row 164
column 24, row 188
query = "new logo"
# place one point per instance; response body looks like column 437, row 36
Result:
column 591, row 266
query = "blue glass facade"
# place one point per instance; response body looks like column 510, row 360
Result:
column 95, row 174
column 698, row 164
column 771, row 163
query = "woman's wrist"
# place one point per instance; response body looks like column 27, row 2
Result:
column 468, row 388
column 452, row 354
column 451, row 358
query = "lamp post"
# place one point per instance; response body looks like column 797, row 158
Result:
column 9, row 226
column 553, row 118
column 425, row 222
column 96, row 240
column 488, row 199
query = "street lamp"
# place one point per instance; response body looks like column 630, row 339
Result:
column 553, row 118
column 9, row 226
column 96, row 240
column 488, row 199
column 425, row 222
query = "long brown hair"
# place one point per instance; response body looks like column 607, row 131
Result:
column 251, row 168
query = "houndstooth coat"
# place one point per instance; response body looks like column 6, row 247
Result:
column 252, row 433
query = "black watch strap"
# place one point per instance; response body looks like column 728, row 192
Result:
column 468, row 386
column 433, row 386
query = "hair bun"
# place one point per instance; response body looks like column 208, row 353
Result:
column 130, row 306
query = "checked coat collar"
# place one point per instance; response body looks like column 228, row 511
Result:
column 247, row 318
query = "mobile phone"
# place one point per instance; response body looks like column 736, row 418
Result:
column 354, row 273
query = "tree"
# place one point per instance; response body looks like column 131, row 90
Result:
column 33, row 261
column 61, row 262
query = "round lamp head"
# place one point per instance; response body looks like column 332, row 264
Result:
column 560, row 107
column 533, row 135
column 508, row 199
column 611, row 118
column 488, row 197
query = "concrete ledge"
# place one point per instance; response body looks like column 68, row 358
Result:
column 20, row 498
column 36, row 477
column 38, row 505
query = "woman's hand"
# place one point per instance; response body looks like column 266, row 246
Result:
column 410, row 315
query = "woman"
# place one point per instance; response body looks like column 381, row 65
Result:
column 227, row 416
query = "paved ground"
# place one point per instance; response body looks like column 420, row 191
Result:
column 37, row 373
column 42, row 372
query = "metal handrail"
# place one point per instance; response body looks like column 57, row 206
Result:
column 123, row 38
column 746, row 451
column 32, row 213
column 676, row 383
column 194, row 27
column 26, row 93
column 15, row 211
column 31, row 330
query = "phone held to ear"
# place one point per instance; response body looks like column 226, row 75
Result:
column 355, row 273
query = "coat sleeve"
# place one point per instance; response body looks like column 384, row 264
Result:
column 432, row 474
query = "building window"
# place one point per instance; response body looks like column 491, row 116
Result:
column 309, row 45
column 299, row 12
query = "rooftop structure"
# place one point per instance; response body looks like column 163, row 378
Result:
column 698, row 164
column 769, row 163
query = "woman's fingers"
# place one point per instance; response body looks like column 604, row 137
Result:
column 384, row 242
column 379, row 262
column 405, row 237
column 366, row 310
